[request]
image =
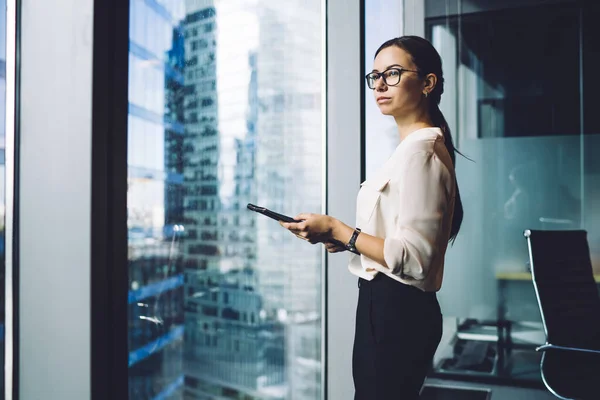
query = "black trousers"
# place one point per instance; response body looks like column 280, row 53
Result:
column 398, row 329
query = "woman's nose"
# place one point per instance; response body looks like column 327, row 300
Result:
column 380, row 85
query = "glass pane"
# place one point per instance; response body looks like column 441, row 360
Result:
column 383, row 21
column 2, row 180
column 519, row 99
column 224, row 110
column 516, row 101
column 590, row 184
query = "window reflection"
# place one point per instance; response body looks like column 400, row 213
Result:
column 224, row 110
column 383, row 21
column 518, row 102
column 518, row 98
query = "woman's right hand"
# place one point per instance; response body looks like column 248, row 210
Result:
column 334, row 247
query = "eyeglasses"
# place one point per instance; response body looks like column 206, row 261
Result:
column 391, row 76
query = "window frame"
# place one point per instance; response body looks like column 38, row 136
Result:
column 109, row 266
column 343, row 167
column 11, row 225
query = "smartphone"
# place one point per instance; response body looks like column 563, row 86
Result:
column 281, row 217
column 271, row 214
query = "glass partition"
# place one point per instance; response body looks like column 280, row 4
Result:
column 516, row 106
column 224, row 110
column 519, row 87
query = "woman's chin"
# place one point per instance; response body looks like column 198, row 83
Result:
column 385, row 110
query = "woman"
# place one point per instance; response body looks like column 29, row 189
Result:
column 406, row 215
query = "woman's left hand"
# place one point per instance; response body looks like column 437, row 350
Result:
column 314, row 228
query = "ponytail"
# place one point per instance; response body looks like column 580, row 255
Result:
column 438, row 120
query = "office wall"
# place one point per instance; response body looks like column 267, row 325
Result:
column 343, row 180
column 54, row 199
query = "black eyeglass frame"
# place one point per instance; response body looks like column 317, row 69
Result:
column 382, row 76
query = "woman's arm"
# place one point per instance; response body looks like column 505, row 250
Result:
column 317, row 228
column 419, row 232
column 420, row 235
column 367, row 245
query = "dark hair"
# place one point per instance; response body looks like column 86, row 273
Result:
column 428, row 61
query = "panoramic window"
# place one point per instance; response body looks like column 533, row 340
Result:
column 225, row 109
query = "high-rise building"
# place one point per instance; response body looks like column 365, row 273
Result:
column 155, row 200
column 174, row 133
column 290, row 178
column 223, row 302
column 231, row 350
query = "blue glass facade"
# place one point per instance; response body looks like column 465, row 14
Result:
column 155, row 183
column 215, row 311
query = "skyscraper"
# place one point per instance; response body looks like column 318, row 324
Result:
column 290, row 178
column 240, row 123
column 155, row 214
column 230, row 350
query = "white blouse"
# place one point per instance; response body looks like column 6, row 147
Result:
column 409, row 202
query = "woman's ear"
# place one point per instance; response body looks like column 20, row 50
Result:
column 429, row 83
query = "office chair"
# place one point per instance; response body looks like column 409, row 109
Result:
column 570, row 307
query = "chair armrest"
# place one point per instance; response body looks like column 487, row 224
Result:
column 549, row 346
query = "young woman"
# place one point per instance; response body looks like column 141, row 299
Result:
column 406, row 215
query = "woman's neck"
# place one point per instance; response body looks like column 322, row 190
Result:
column 413, row 120
column 406, row 127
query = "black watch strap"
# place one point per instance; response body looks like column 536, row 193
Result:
column 351, row 246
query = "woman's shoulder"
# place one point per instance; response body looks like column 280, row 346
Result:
column 421, row 149
column 430, row 157
column 422, row 140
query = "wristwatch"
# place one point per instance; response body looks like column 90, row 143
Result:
column 351, row 246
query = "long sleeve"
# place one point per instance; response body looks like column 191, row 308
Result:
column 425, row 191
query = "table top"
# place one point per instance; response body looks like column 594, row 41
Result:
column 524, row 276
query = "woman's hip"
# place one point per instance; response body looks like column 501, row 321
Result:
column 398, row 312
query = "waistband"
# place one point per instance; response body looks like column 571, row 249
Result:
column 383, row 280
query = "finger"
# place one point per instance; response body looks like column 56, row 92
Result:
column 303, row 216
column 292, row 226
column 284, row 224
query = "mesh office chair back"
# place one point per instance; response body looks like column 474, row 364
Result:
column 569, row 303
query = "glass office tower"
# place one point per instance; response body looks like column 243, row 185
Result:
column 155, row 200
column 225, row 110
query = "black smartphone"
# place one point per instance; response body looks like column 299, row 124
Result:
column 284, row 218
column 271, row 214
